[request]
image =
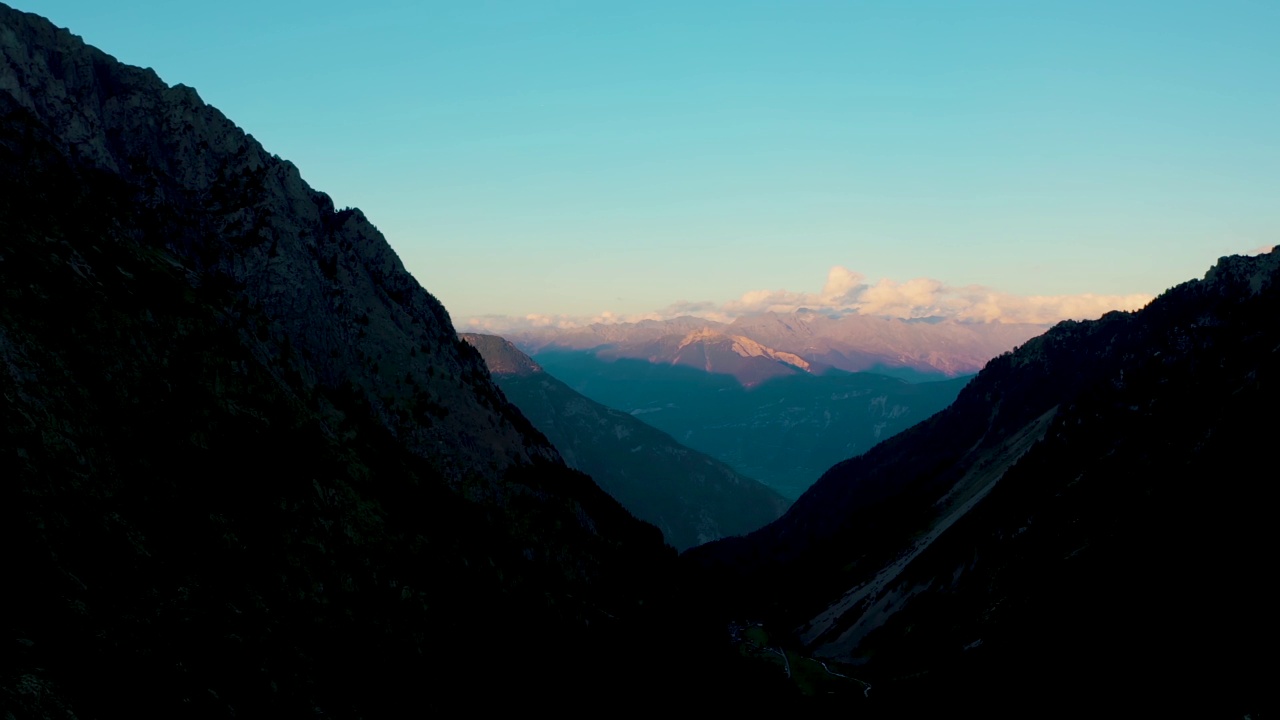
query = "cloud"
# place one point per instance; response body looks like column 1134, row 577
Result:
column 848, row 292
column 843, row 286
column 507, row 323
column 977, row 304
column 921, row 297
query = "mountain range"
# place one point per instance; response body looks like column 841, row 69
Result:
column 754, row 348
column 248, row 468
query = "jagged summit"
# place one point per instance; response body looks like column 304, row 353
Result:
column 794, row 342
column 741, row 346
column 718, row 353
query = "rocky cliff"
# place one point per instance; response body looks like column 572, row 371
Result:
column 246, row 467
column 323, row 282
column 1087, row 522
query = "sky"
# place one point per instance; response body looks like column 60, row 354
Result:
column 565, row 161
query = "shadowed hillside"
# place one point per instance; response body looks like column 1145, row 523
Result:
column 1086, row 521
column 247, row 467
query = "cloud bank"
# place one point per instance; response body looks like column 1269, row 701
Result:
column 848, row 292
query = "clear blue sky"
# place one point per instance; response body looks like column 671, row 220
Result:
column 574, row 157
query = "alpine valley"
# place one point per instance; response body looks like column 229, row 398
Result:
column 780, row 398
column 691, row 497
column 784, row 431
column 248, row 468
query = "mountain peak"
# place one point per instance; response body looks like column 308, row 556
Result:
column 500, row 355
column 700, row 335
column 742, row 346
column 720, row 353
column 1256, row 272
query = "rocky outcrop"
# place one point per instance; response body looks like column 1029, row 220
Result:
column 330, row 290
column 501, row 357
column 246, row 467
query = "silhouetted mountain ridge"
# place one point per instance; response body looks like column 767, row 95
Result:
column 248, row 466
column 1085, row 521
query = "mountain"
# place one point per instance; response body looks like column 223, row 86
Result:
column 780, row 398
column 247, row 466
column 717, row 353
column 691, row 497
column 754, row 348
column 858, row 343
column 785, row 431
column 1088, row 522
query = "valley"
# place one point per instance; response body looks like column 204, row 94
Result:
column 785, row 431
column 249, row 466
column 691, row 497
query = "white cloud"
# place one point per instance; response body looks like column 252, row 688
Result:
column 979, row 304
column 847, row 291
column 506, row 323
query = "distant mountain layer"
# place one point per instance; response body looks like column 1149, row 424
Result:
column 691, row 497
column 1091, row 519
column 759, row 347
column 785, row 431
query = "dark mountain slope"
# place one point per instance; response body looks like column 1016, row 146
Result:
column 245, row 465
column 324, row 283
column 1087, row 521
column 691, row 497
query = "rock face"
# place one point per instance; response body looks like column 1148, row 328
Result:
column 502, row 358
column 745, row 359
column 1085, row 522
column 247, row 466
column 324, row 279
column 691, row 497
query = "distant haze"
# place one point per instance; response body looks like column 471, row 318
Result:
column 850, row 293
column 754, row 349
